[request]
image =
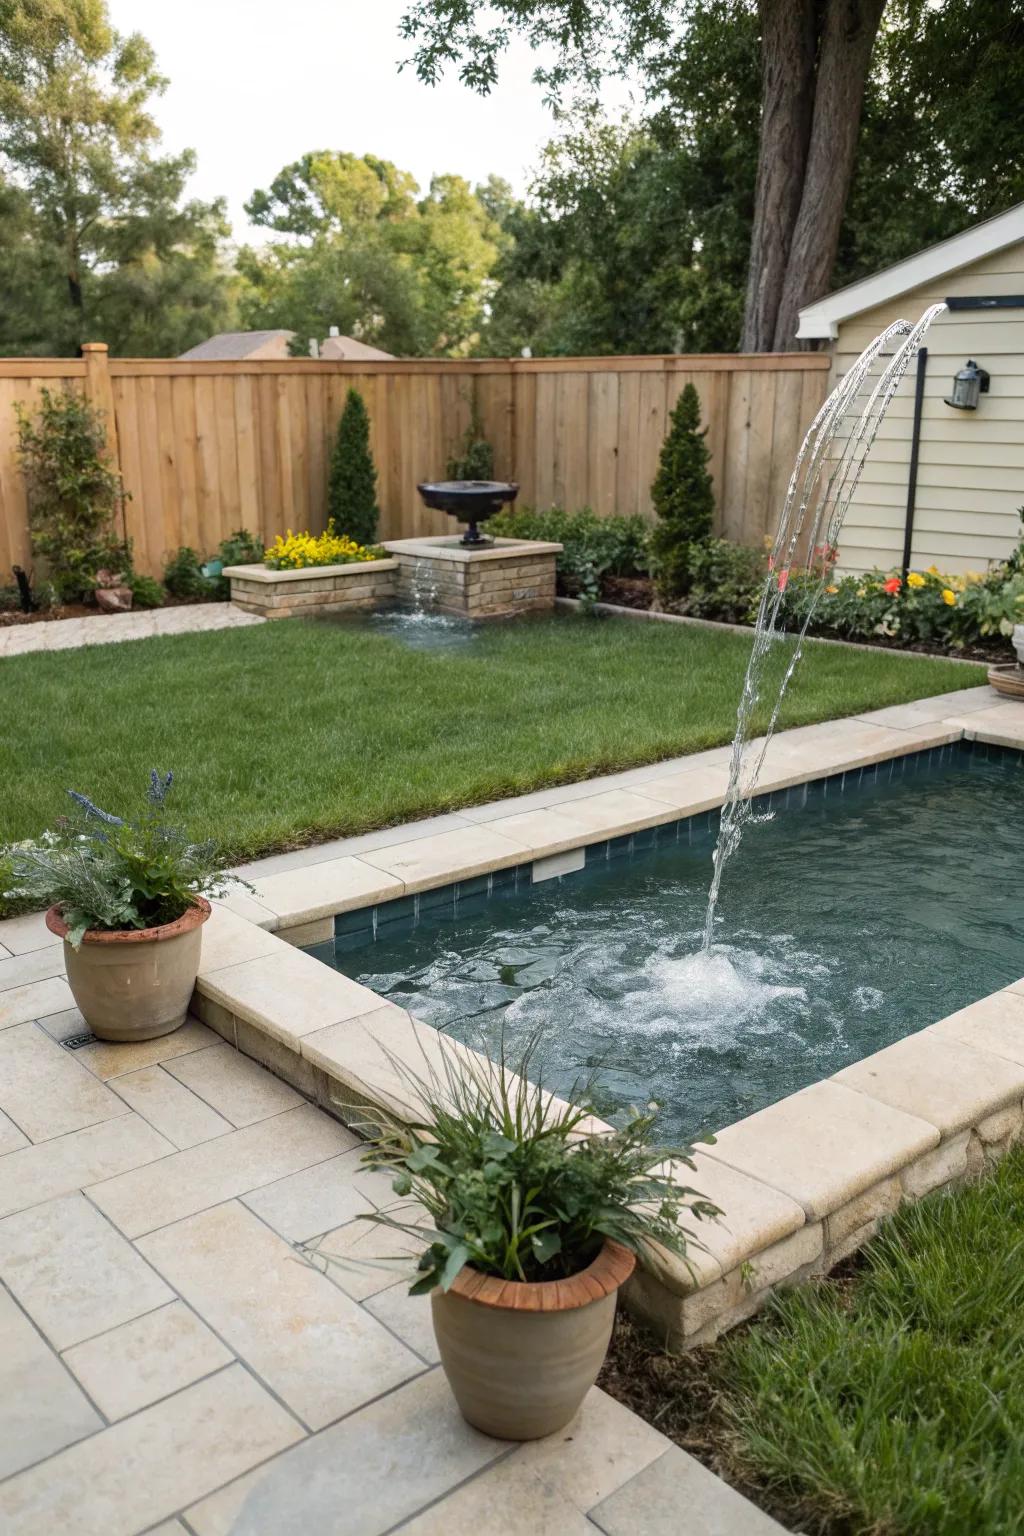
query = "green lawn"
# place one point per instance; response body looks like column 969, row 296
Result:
column 888, row 1402
column 292, row 732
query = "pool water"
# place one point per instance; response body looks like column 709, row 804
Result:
column 857, row 911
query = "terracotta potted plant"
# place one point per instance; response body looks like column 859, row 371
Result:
column 528, row 1216
column 127, row 897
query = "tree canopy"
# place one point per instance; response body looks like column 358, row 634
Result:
column 638, row 234
column 101, row 242
column 700, row 223
column 363, row 251
column 786, row 146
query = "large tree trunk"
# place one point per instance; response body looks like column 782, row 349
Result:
column 847, row 40
column 788, row 48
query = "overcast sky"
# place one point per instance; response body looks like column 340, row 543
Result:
column 256, row 83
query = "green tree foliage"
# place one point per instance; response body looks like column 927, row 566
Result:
column 475, row 459
column 352, row 486
column 101, row 243
column 682, row 495
column 364, row 252
column 636, row 241
column 638, row 235
column 73, row 494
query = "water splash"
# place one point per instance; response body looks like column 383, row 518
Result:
column 819, row 494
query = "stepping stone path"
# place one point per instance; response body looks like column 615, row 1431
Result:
column 107, row 628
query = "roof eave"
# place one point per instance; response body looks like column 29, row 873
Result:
column 814, row 327
column 929, row 265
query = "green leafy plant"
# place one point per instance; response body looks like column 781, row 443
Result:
column 592, row 547
column 74, row 496
column 516, row 1183
column 183, row 576
column 725, row 581
column 352, row 487
column 146, row 593
column 106, row 872
column 683, row 497
column 239, row 548
column 475, row 461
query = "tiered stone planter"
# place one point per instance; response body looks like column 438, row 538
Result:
column 507, row 577
column 319, row 589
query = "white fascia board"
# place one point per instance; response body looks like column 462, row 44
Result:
column 822, row 319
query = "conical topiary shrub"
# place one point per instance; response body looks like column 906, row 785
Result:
column 682, row 495
column 352, row 487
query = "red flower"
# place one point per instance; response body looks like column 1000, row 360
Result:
column 783, row 578
column 892, row 585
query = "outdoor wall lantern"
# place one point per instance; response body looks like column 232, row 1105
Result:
column 968, row 385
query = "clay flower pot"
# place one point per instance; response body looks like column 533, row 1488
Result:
column 136, row 984
column 521, row 1358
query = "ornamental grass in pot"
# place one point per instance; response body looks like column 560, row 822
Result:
column 127, row 896
column 527, row 1215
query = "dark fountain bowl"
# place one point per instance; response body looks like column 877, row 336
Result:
column 471, row 501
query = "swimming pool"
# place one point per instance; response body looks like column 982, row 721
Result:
column 862, row 908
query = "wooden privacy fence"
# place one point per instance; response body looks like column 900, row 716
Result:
column 208, row 447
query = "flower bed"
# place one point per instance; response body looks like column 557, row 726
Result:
column 300, row 551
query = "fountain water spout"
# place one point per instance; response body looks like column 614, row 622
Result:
column 820, row 491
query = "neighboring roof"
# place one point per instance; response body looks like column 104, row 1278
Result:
column 233, row 346
column 340, row 348
column 823, row 318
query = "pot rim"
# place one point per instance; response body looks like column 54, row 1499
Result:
column 609, row 1270
column 191, row 918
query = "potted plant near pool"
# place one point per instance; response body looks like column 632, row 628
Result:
column 128, row 897
column 528, row 1216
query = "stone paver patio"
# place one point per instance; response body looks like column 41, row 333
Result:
column 169, row 1364
column 108, row 628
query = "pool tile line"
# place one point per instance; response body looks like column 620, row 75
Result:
column 361, row 926
column 312, row 888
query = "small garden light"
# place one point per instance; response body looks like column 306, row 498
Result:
column 968, row 386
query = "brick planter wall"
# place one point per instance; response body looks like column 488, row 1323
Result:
column 318, row 590
column 507, row 577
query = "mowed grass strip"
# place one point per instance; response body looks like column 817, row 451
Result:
column 297, row 731
column 886, row 1402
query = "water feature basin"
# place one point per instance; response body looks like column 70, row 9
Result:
column 857, row 914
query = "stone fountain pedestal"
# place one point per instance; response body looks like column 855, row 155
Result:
column 486, row 581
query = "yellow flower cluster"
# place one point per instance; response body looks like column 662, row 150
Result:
column 296, row 551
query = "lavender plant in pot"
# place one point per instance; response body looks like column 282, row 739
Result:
column 128, row 897
column 527, row 1215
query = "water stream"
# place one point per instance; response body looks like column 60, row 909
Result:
column 827, row 470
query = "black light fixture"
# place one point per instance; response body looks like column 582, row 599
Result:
column 968, row 386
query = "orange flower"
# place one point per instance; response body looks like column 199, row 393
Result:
column 892, row 586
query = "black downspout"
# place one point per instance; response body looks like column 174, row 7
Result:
column 915, row 448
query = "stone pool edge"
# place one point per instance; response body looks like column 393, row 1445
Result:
column 804, row 1181
column 776, row 1231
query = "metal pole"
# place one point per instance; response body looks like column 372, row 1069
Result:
column 915, row 449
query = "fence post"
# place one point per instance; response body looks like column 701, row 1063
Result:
column 100, row 395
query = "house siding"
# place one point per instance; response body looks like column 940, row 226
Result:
column 971, row 465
